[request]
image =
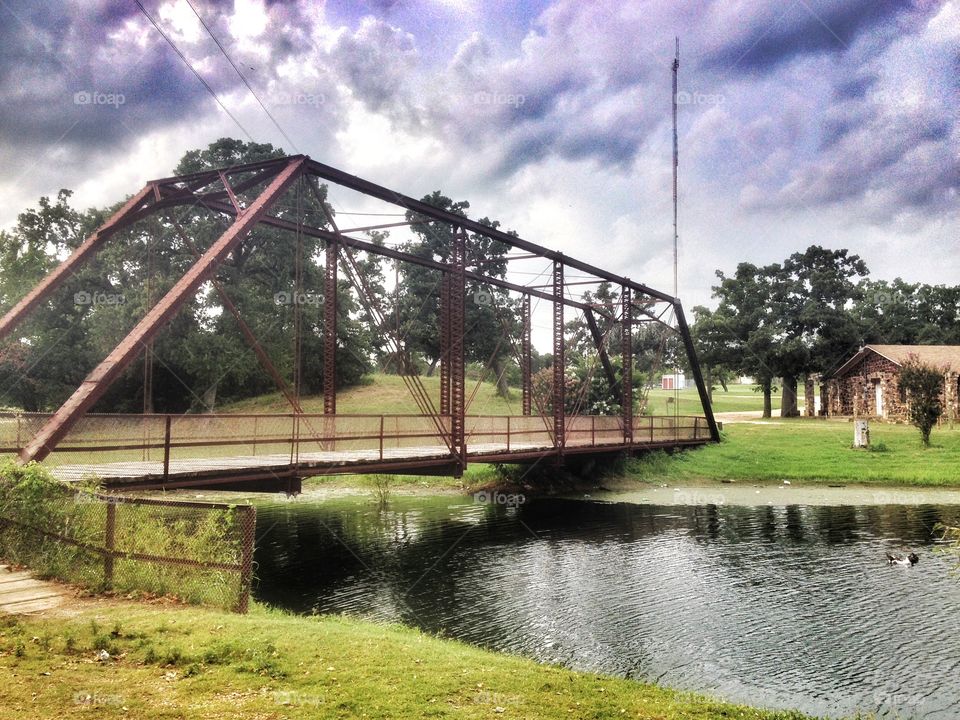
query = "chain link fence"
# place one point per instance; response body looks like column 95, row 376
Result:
column 201, row 553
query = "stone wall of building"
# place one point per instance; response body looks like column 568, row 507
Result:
column 854, row 394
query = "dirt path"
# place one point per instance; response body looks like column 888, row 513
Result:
column 21, row 593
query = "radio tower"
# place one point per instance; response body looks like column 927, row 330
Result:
column 676, row 255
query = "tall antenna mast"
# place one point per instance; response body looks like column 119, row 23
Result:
column 676, row 159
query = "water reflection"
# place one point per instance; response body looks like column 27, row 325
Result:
column 779, row 606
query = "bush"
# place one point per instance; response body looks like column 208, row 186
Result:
column 923, row 385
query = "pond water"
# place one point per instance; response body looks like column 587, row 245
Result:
column 783, row 607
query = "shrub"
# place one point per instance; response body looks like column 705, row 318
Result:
column 923, row 385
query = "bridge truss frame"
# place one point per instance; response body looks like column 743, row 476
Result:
column 219, row 191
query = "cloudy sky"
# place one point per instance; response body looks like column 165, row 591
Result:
column 817, row 121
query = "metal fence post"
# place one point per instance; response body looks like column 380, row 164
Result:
column 381, row 438
column 166, row 448
column 110, row 543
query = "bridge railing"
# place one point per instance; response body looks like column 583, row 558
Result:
column 152, row 443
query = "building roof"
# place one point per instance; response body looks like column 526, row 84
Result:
column 937, row 355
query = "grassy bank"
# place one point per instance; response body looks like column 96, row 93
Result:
column 814, row 451
column 190, row 663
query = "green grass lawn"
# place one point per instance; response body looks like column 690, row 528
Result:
column 172, row 662
column 817, row 451
column 738, row 398
column 386, row 395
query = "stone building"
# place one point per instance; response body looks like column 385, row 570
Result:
column 867, row 384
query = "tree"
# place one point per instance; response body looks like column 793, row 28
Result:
column 44, row 360
column 200, row 357
column 740, row 335
column 813, row 292
column 923, row 385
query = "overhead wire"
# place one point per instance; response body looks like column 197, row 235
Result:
column 187, row 62
column 241, row 76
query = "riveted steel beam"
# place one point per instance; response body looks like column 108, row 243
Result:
column 559, row 379
column 626, row 377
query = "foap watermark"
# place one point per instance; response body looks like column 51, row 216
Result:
column 297, row 298
column 96, row 699
column 300, row 98
column 889, row 693
column 893, row 497
column 98, row 298
column 698, row 98
column 897, row 99
column 484, row 97
column 482, row 297
column 888, row 298
column 688, row 496
column 290, row 697
column 93, row 97
column 492, row 497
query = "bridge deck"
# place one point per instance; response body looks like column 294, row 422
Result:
column 198, row 450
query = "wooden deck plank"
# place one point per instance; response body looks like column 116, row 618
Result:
column 21, row 593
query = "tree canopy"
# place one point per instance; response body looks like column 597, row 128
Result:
column 809, row 313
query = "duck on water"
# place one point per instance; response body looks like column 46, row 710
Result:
column 908, row 561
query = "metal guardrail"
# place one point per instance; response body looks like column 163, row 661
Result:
column 289, row 438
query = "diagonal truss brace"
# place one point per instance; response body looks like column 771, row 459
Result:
column 99, row 380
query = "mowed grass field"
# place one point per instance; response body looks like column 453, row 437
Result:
column 817, row 451
column 738, row 398
column 178, row 662
column 386, row 395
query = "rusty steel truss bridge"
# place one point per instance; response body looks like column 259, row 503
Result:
column 276, row 451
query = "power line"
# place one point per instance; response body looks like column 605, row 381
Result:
column 192, row 68
column 242, row 77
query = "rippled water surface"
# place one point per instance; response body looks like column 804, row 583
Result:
column 790, row 607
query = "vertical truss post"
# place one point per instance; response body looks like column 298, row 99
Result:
column 559, row 381
column 626, row 379
column 458, row 258
column 330, row 330
column 525, row 359
column 445, row 344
